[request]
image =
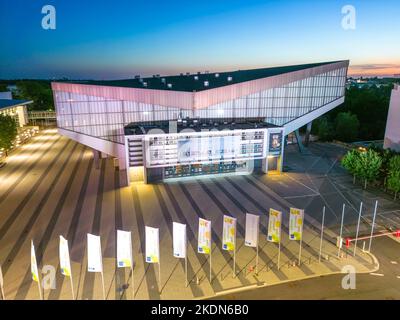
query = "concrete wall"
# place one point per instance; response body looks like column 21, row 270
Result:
column 392, row 134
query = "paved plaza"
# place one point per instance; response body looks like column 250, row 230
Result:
column 51, row 187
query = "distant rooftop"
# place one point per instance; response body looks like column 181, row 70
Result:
column 196, row 124
column 190, row 82
column 8, row 103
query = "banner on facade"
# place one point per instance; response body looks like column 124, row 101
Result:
column 252, row 227
column 274, row 226
column 65, row 262
column 152, row 245
column 204, row 237
column 229, row 234
column 95, row 260
column 34, row 267
column 179, row 240
column 296, row 224
column 124, row 249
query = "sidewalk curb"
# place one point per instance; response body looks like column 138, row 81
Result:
column 264, row 285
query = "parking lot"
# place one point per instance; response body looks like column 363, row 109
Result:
column 50, row 187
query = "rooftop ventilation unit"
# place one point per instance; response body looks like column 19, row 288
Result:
column 188, row 73
column 137, row 77
column 181, row 74
column 230, row 79
column 206, row 83
column 207, row 72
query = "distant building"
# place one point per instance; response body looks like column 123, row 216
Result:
column 15, row 108
column 198, row 124
column 392, row 134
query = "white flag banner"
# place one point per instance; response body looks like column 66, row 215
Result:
column 204, row 237
column 274, row 226
column 124, row 249
column 95, row 260
column 179, row 240
column 34, row 267
column 252, row 227
column 296, row 224
column 229, row 234
column 65, row 262
column 152, row 245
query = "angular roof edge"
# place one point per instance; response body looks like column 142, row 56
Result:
column 201, row 81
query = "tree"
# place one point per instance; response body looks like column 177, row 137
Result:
column 350, row 162
column 368, row 165
column 346, row 125
column 8, row 132
column 3, row 87
column 393, row 180
column 323, row 129
column 38, row 91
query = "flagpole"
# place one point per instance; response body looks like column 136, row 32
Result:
column 102, row 283
column 279, row 254
column 210, row 262
column 258, row 236
column 40, row 288
column 341, row 230
column 186, row 259
column 234, row 255
column 358, row 228
column 133, row 283
column 372, row 227
column 1, row 284
column 322, row 233
column 72, row 286
column 301, row 239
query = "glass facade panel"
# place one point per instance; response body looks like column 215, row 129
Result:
column 105, row 118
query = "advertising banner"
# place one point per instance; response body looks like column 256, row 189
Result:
column 252, row 227
column 179, row 240
column 34, row 267
column 95, row 260
column 65, row 262
column 274, row 226
column 296, row 224
column 204, row 237
column 229, row 234
column 152, row 245
column 124, row 249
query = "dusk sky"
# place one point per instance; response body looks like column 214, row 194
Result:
column 106, row 39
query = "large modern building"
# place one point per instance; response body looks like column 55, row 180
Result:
column 392, row 134
column 198, row 124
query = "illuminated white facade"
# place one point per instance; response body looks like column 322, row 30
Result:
column 392, row 134
column 96, row 114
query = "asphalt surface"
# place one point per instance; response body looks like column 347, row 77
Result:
column 383, row 284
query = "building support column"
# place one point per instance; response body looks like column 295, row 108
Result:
column 264, row 165
column 308, row 132
column 96, row 157
column 302, row 148
column 123, row 172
